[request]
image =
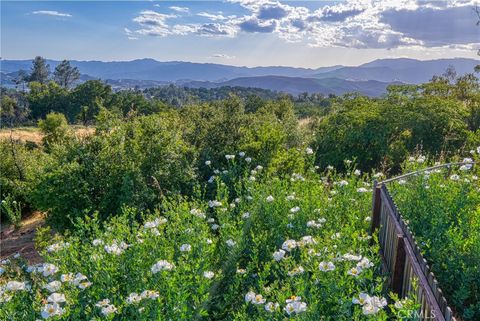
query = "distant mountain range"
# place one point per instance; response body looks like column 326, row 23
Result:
column 370, row 79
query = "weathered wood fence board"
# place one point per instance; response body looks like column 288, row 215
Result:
column 403, row 260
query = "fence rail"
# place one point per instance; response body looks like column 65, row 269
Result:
column 403, row 260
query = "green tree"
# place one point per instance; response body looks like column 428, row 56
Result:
column 13, row 107
column 40, row 70
column 21, row 78
column 65, row 75
column 88, row 98
column 46, row 98
column 7, row 109
column 55, row 130
column 130, row 101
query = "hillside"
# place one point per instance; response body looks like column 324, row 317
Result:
column 297, row 85
column 370, row 79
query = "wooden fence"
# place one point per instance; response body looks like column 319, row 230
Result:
column 403, row 260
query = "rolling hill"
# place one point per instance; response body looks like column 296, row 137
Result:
column 297, row 85
column 370, row 79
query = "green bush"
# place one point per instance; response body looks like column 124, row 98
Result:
column 435, row 117
column 19, row 168
column 443, row 212
column 137, row 163
column 12, row 209
column 55, row 130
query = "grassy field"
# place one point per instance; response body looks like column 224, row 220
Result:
column 33, row 134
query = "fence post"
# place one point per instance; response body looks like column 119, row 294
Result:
column 377, row 202
column 399, row 267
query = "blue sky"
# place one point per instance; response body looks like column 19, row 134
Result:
column 240, row 32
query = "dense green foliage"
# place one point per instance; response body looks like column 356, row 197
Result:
column 134, row 164
column 139, row 160
column 83, row 103
column 269, row 249
column 183, row 96
column 443, row 211
column 19, row 168
column 55, row 130
column 440, row 117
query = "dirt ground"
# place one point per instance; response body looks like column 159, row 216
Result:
column 33, row 134
column 21, row 240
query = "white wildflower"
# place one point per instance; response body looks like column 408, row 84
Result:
column 109, row 309
column 278, row 255
column 271, row 307
column 208, row 274
column 16, row 286
column 133, row 298
column 49, row 269
column 250, row 296
column 355, row 271
column 326, row 266
column 53, row 286
column 289, row 245
column 50, row 310
column 150, row 294
column 162, row 265
column 56, row 298
column 258, row 299
column 294, row 209
column 214, row 203
column 362, row 299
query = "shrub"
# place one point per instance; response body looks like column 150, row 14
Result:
column 12, row 209
column 383, row 132
column 19, row 168
column 443, row 211
column 136, row 164
column 55, row 130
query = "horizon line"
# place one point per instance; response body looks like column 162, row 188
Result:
column 239, row 66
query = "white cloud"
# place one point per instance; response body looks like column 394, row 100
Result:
column 52, row 13
column 351, row 23
column 216, row 29
column 180, row 9
column 213, row 17
column 222, row 56
column 153, row 23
